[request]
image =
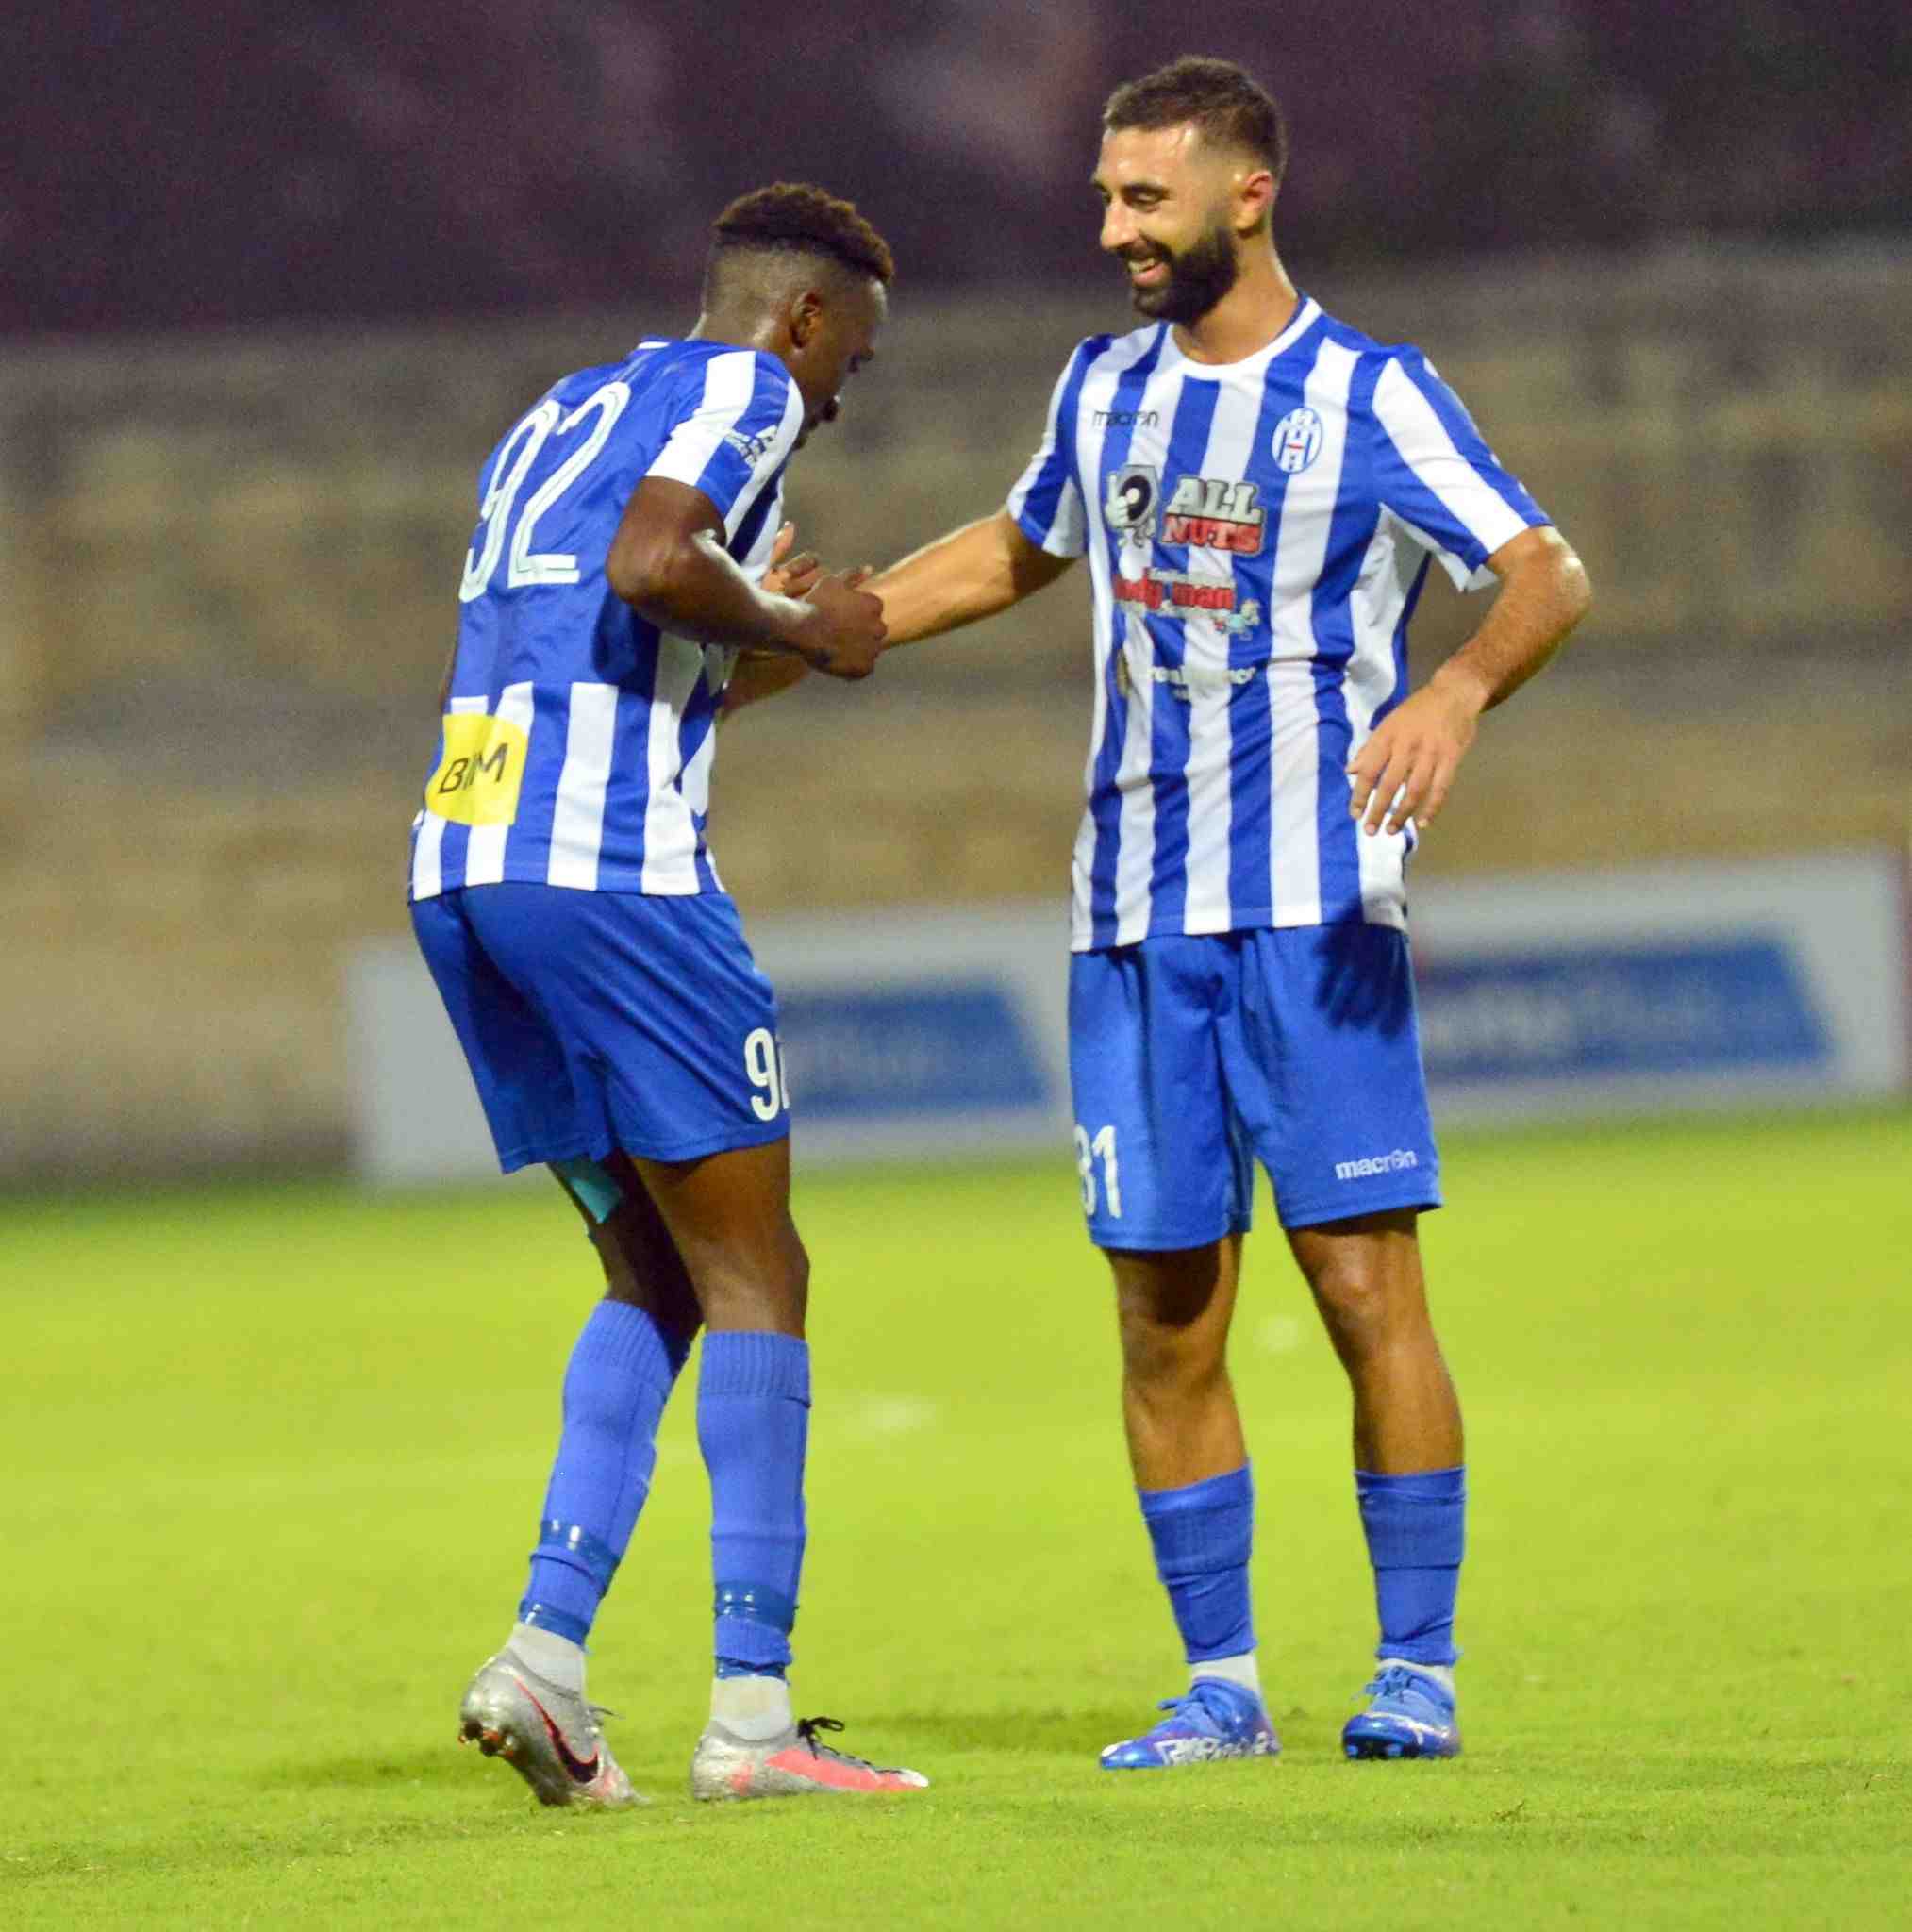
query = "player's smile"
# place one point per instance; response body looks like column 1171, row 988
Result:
column 1179, row 284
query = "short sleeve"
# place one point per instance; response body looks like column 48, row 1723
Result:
column 1046, row 504
column 736, row 434
column 1435, row 471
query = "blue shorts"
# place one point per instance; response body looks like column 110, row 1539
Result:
column 596, row 1021
column 1191, row 1057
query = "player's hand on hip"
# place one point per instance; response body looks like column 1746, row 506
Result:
column 1404, row 770
column 848, row 635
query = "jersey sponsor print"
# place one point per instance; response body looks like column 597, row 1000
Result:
column 1258, row 533
column 577, row 742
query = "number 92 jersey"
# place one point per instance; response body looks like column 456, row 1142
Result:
column 1258, row 533
column 577, row 742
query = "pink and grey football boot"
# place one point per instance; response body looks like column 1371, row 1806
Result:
column 794, row 1764
column 549, row 1736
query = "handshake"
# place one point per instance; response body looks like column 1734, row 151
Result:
column 845, row 633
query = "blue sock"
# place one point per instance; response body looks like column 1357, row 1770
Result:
column 615, row 1389
column 753, row 1425
column 1202, row 1534
column 1415, row 1528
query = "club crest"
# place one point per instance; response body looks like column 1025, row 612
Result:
column 1297, row 440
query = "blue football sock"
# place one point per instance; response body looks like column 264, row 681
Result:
column 1203, row 1535
column 753, row 1425
column 615, row 1389
column 1416, row 1527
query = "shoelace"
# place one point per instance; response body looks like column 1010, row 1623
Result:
column 1178, row 1705
column 1391, row 1682
column 807, row 1728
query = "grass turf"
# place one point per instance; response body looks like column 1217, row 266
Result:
column 277, row 1455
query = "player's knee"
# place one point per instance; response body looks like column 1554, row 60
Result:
column 1365, row 1310
column 1171, row 1356
column 767, row 1287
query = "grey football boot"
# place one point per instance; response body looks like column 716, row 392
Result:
column 792, row 1765
column 549, row 1736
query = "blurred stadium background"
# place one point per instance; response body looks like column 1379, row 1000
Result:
column 272, row 280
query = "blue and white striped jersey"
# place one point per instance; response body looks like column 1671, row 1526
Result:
column 577, row 744
column 1258, row 533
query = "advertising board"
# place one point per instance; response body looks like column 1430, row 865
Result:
column 941, row 1033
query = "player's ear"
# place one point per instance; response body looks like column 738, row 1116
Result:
column 1253, row 199
column 806, row 317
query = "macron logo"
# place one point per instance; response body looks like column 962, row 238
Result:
column 1376, row 1163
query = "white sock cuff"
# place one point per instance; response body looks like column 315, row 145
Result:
column 556, row 1659
column 755, row 1709
column 1241, row 1668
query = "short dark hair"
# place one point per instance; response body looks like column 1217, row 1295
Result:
column 800, row 219
column 1224, row 101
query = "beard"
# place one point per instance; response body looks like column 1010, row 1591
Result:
column 1198, row 278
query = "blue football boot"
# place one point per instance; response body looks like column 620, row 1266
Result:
column 1213, row 1718
column 1408, row 1715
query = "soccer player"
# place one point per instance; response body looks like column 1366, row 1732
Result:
column 596, row 974
column 1259, row 489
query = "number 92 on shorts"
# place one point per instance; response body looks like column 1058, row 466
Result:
column 595, row 1022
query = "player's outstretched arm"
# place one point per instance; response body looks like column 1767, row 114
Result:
column 668, row 562
column 973, row 573
column 1404, row 770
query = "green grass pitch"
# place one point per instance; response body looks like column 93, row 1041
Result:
column 275, row 1458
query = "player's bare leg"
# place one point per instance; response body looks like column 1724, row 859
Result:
column 1367, row 1281
column 729, row 1221
column 642, row 1266
column 1174, row 1308
column 1174, row 1312
column 728, row 1217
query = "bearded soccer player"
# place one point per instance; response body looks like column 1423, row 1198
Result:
column 615, row 600
column 1259, row 489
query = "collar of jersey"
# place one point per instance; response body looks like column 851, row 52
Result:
column 1307, row 314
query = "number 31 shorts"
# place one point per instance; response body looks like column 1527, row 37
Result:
column 1191, row 1057
column 596, row 1021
